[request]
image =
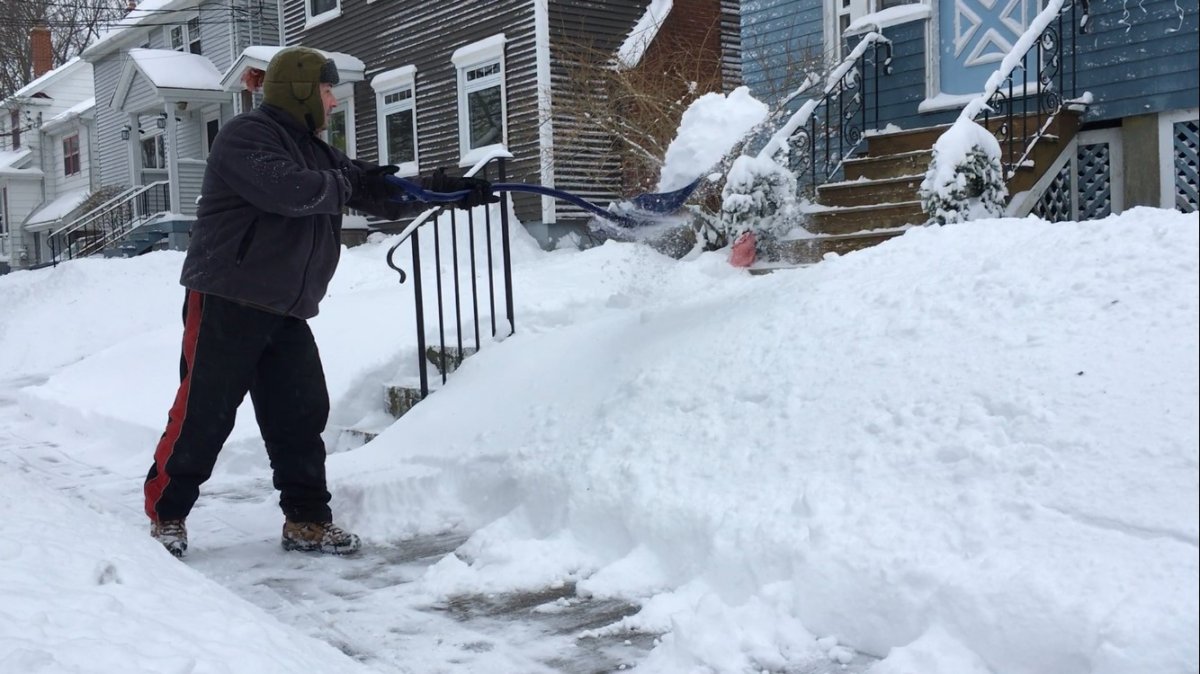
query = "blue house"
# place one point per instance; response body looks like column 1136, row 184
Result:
column 1098, row 115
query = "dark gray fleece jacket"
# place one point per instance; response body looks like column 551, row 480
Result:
column 268, row 226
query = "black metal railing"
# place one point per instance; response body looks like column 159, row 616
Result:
column 450, row 227
column 1021, row 107
column 105, row 226
column 830, row 129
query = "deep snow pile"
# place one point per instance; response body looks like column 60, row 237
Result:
column 971, row 450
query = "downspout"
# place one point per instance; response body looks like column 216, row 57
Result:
column 545, row 109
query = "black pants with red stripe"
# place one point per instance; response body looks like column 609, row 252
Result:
column 230, row 349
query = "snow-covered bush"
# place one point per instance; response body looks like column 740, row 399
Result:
column 965, row 180
column 759, row 196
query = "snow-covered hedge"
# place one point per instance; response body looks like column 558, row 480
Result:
column 965, row 180
column 759, row 196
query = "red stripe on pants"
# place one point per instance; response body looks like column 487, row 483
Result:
column 166, row 445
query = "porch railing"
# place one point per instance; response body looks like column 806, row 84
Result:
column 107, row 224
column 827, row 130
column 1034, row 83
column 458, row 296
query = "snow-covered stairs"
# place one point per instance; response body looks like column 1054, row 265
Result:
column 879, row 195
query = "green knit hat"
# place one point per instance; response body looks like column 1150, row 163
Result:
column 292, row 83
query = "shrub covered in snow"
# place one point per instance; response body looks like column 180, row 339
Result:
column 759, row 196
column 965, row 180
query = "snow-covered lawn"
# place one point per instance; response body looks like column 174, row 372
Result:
column 970, row 450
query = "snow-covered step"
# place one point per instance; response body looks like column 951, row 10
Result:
column 863, row 192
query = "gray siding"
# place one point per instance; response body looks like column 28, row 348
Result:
column 425, row 35
column 191, row 175
column 114, row 163
column 601, row 27
column 780, row 39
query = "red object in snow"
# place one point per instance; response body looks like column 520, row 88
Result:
column 742, row 254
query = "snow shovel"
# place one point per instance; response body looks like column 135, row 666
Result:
column 639, row 211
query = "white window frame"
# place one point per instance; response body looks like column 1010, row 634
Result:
column 311, row 19
column 469, row 57
column 161, row 137
column 185, row 33
column 385, row 84
column 78, row 153
column 344, row 93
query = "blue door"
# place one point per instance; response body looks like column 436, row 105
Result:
column 975, row 37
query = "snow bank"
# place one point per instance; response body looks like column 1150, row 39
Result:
column 971, row 449
column 983, row 464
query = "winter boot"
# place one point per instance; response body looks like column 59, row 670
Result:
column 172, row 534
column 319, row 537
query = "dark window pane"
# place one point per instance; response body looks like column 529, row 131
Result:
column 400, row 137
column 321, row 6
column 210, row 131
column 485, row 117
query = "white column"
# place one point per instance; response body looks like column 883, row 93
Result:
column 131, row 148
column 172, row 152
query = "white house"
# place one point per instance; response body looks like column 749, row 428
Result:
column 47, row 159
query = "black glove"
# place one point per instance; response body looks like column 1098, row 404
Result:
column 372, row 184
column 479, row 190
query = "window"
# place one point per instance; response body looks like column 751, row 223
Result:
column 395, row 99
column 185, row 37
column 154, row 155
column 482, row 108
column 70, row 146
column 212, row 124
column 319, row 11
column 15, row 120
column 339, row 125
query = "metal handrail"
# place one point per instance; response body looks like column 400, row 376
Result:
column 1052, row 91
column 107, row 224
column 411, row 234
column 124, row 195
column 841, row 132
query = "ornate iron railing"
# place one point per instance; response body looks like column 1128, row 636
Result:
column 827, row 130
column 104, row 226
column 1034, row 83
column 456, row 228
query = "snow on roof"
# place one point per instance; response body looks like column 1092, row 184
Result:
column 350, row 68
column 630, row 53
column 9, row 159
column 162, row 11
column 167, row 69
column 39, row 83
column 70, row 113
column 57, row 208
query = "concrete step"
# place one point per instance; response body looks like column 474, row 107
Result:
column 868, row 192
column 398, row 399
column 448, row 359
column 858, row 219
